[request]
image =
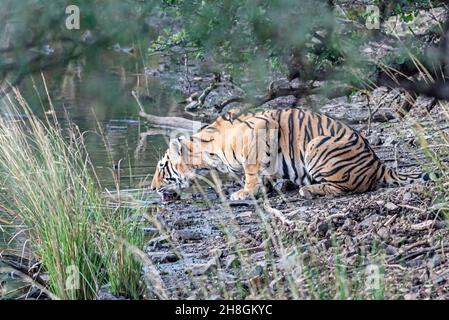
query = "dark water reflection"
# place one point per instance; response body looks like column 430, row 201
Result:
column 99, row 101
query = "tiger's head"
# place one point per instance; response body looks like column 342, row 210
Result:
column 187, row 158
column 181, row 163
column 173, row 172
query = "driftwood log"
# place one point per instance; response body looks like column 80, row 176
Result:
column 168, row 122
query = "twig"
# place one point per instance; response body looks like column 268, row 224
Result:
column 186, row 64
column 278, row 214
column 337, row 215
column 370, row 112
column 411, row 207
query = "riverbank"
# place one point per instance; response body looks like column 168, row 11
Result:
column 388, row 244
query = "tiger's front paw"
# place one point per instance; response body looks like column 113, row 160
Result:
column 241, row 195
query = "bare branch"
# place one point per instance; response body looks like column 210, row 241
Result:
column 167, row 122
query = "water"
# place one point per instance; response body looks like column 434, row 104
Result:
column 97, row 98
column 99, row 102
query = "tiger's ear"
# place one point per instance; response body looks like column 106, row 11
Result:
column 234, row 112
column 175, row 147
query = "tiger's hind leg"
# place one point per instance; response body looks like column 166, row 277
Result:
column 339, row 165
column 313, row 190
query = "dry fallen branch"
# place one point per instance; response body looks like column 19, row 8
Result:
column 168, row 122
column 278, row 214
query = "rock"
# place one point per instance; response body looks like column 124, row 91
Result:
column 215, row 253
column 244, row 214
column 425, row 103
column 375, row 140
column 435, row 261
column 390, row 141
column 187, row 235
column 322, row 228
column 380, row 203
column 383, row 116
column 258, row 270
column 442, row 278
column 327, row 243
column 410, row 296
column 370, row 220
column 391, row 250
column 200, row 269
column 391, row 206
column 406, row 197
column 348, row 225
column 163, row 257
column 440, row 224
column 384, row 233
column 281, row 102
column 388, row 102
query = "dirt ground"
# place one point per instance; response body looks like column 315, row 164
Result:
column 390, row 243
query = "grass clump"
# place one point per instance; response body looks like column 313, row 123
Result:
column 47, row 183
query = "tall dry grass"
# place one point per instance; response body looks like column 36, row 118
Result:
column 47, row 182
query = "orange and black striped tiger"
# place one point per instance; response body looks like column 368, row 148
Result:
column 322, row 155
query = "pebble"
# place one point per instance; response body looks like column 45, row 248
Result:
column 384, row 233
column 391, row 206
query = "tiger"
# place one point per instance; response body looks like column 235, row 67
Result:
column 322, row 155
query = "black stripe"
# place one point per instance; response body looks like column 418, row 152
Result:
column 334, row 170
column 361, row 173
column 328, row 122
column 341, row 135
column 319, row 125
column 290, row 144
column 286, row 174
column 346, row 145
column 192, row 138
column 245, row 122
column 326, row 156
column 373, row 179
column 365, row 157
column 233, row 155
column 326, row 138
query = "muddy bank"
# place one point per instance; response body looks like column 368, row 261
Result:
column 211, row 251
column 390, row 243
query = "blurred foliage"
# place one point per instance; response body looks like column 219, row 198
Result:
column 34, row 34
column 315, row 40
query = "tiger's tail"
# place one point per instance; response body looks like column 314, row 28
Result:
column 392, row 178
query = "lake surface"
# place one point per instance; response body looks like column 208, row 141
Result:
column 97, row 98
